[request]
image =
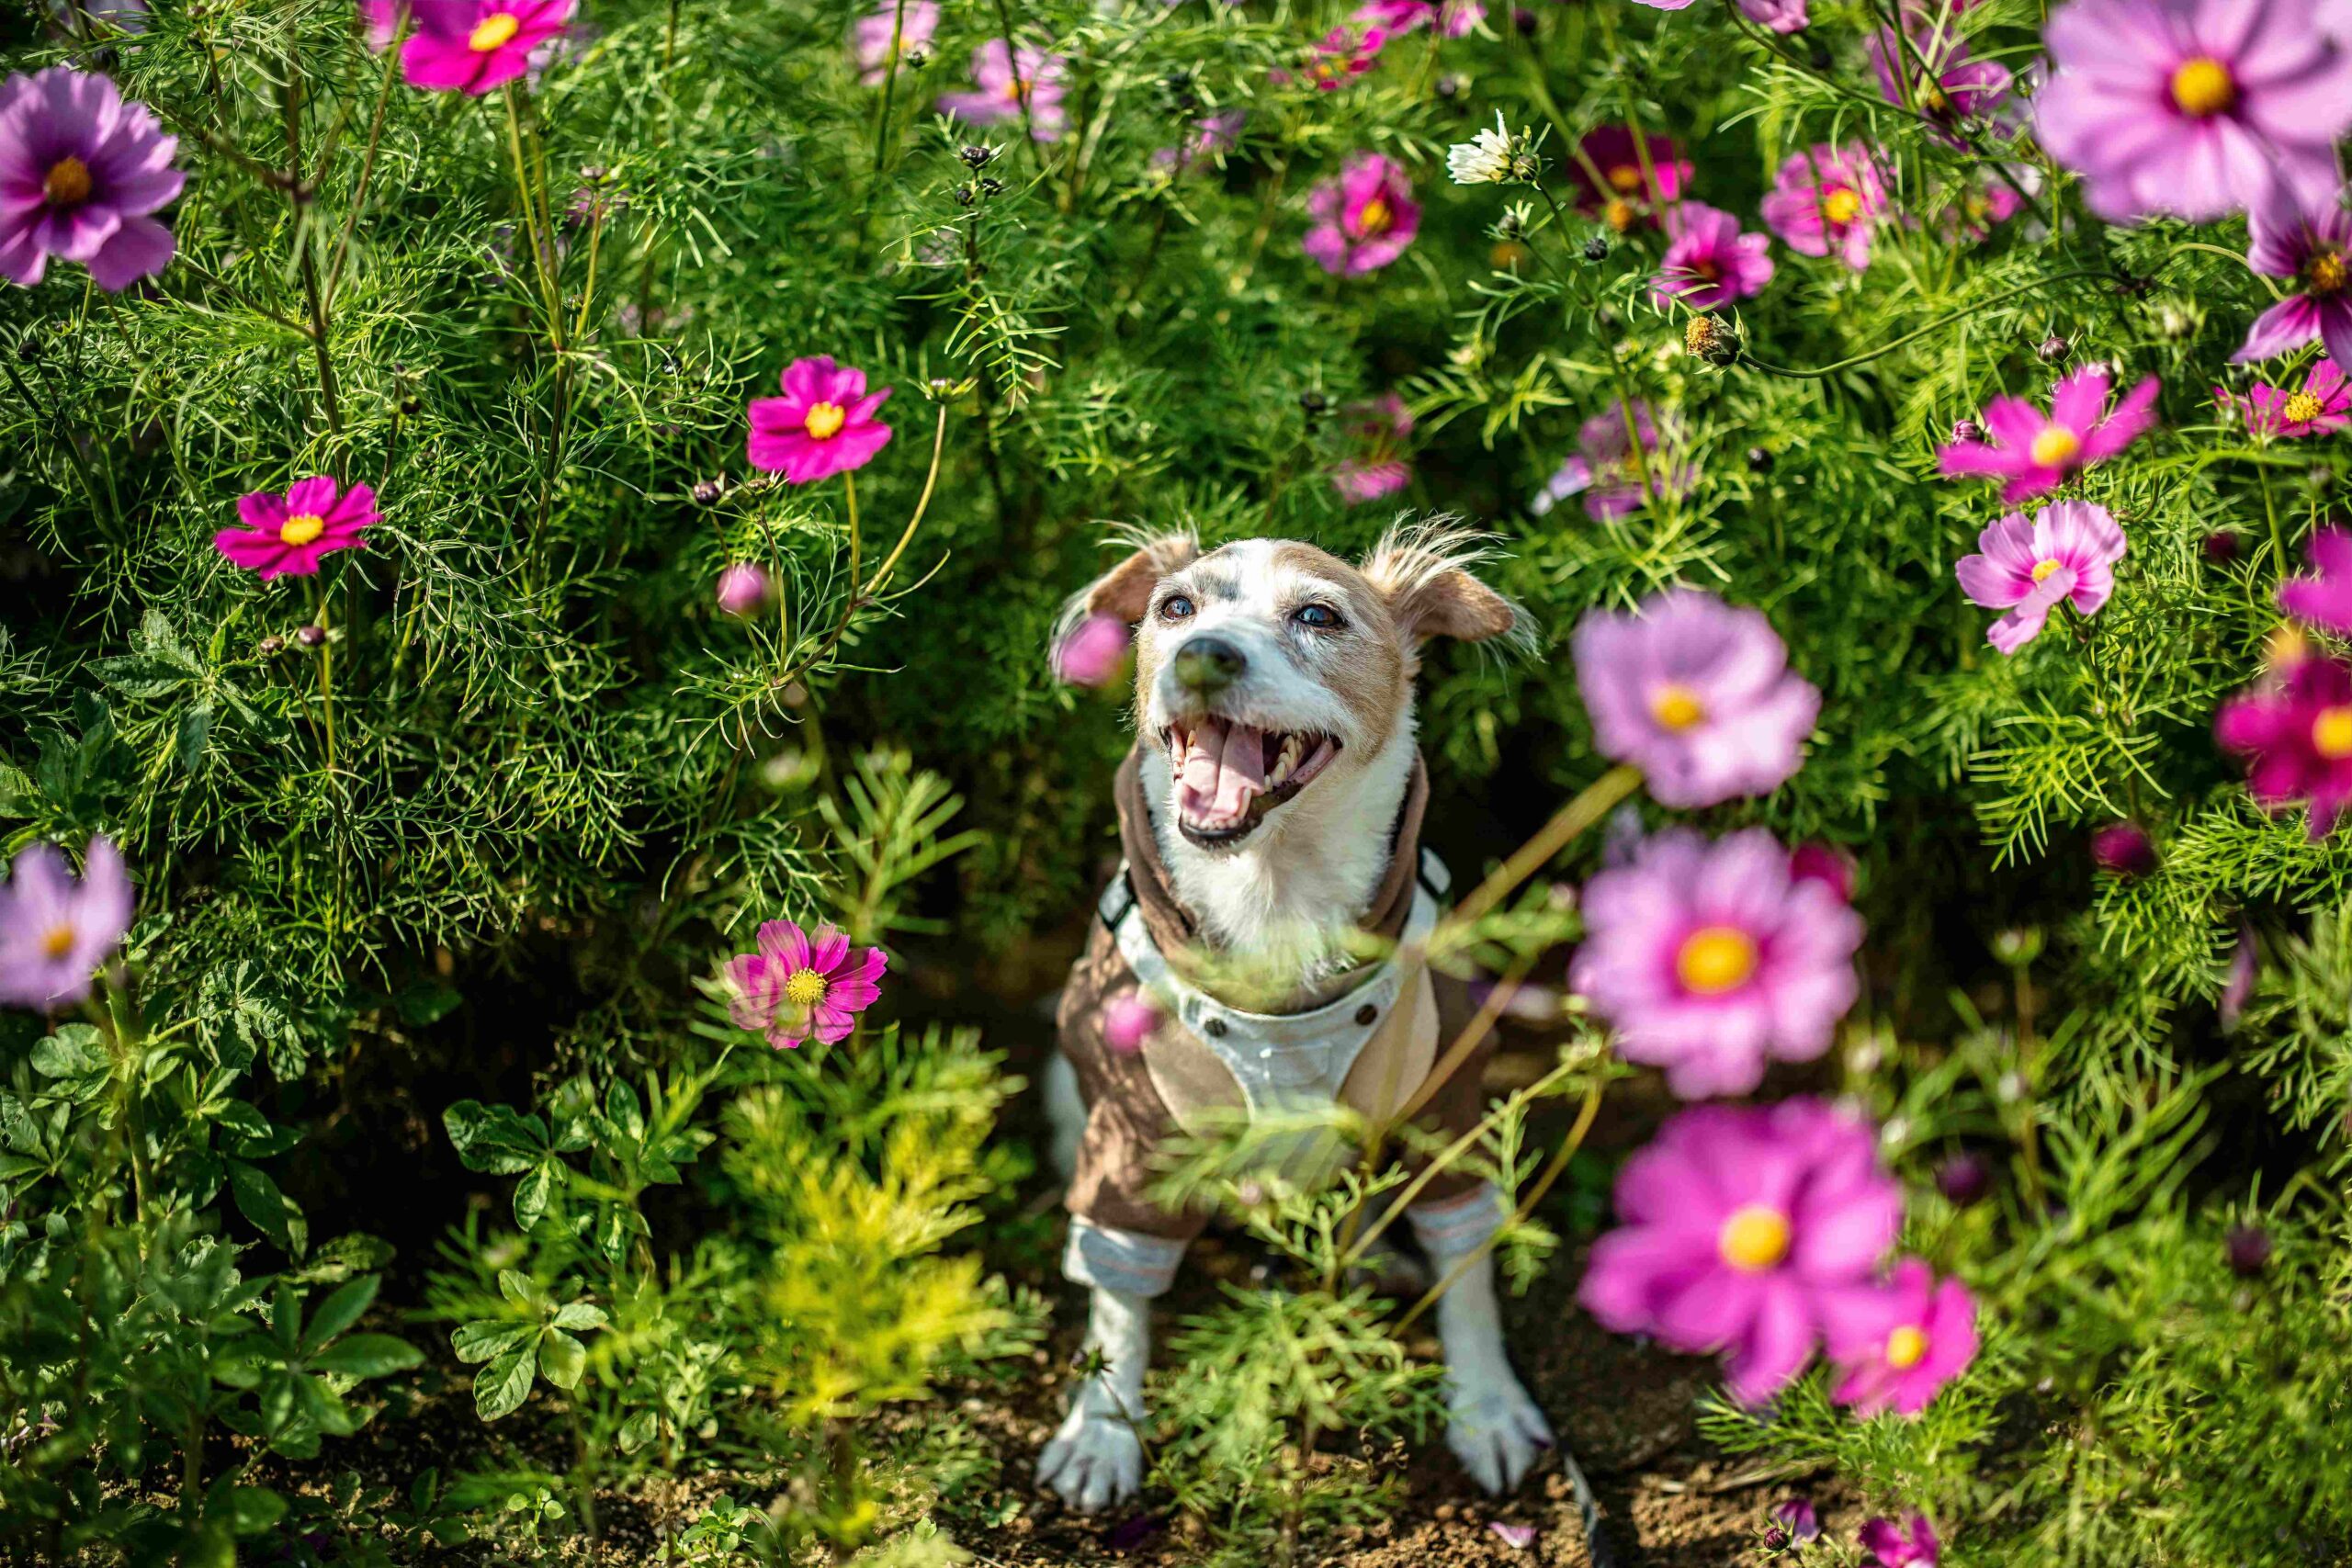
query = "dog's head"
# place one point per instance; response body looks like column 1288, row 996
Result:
column 1269, row 667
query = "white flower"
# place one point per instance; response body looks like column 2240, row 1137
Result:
column 1489, row 158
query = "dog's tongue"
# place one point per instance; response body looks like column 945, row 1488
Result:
column 1225, row 769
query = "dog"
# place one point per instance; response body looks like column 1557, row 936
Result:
column 1270, row 815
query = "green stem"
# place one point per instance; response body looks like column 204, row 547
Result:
column 1814, row 372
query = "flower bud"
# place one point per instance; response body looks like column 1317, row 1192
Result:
column 1964, row 1179
column 976, row 156
column 962, row 196
column 1760, row 460
column 311, row 637
column 1833, row 868
column 1711, row 339
column 2124, row 849
column 2052, row 348
column 2221, row 546
column 742, row 587
column 2246, row 1250
column 708, row 492
column 1966, row 430
column 2017, row 946
column 1312, row 402
column 272, row 644
column 1596, row 249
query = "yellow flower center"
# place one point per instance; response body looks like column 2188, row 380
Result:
column 1012, row 91
column 1841, row 206
column 68, row 184
column 1375, row 218
column 301, row 528
column 494, row 31
column 2042, row 569
column 2203, row 87
column 2302, row 409
column 2331, row 733
column 1626, row 177
column 57, row 941
column 1677, row 706
column 1932, row 100
column 2325, row 273
column 1716, row 959
column 1755, row 1237
column 2054, row 445
column 1905, row 1347
column 1620, row 215
column 804, row 988
column 825, row 421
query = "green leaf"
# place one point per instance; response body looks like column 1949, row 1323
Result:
column 639, row 1429
column 520, row 1289
column 272, row 1212
column 488, row 1337
column 75, row 1051
column 536, row 1192
column 339, row 1311
column 195, row 727
column 253, row 1509
column 562, row 1359
column 495, row 1138
column 580, row 1314
column 501, row 1387
column 367, row 1356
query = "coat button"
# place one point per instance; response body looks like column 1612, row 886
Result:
column 1215, row 1028
column 1366, row 1013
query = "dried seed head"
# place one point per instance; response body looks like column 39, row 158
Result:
column 1712, row 339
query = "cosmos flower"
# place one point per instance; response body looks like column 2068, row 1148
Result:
column 1748, row 1230
column 1707, row 960
column 2037, row 451
column 1798, row 1518
column 1491, row 157
column 1826, row 200
column 742, row 587
column 1620, row 196
column 800, row 984
column 1452, row 18
column 1608, row 472
column 1696, row 693
column 2295, row 729
column 1093, row 652
column 1922, row 1336
column 286, row 536
column 823, row 425
column 472, row 46
column 2194, row 108
column 1377, row 466
column 1890, row 1546
column 2322, row 404
column 1005, row 81
column 872, row 43
column 1953, row 88
column 55, row 932
column 1364, row 219
column 2029, row 566
column 2123, row 849
column 1708, row 263
column 1986, row 202
column 81, row 170
column 1212, row 136
column 2324, row 599
column 383, row 20
column 1779, row 15
column 2313, row 246
column 1339, row 57
column 1825, row 864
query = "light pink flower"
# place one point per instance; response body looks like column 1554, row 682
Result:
column 1364, row 219
column 382, row 21
column 2313, row 247
column 1378, row 465
column 823, row 425
column 1919, row 1336
column 2295, row 728
column 1891, row 1548
column 82, row 172
column 1707, row 960
column 1094, row 652
column 1339, row 57
column 2322, row 404
column 800, row 984
column 1708, row 263
column 2036, row 452
column 55, row 932
column 1748, row 1230
column 1696, row 693
column 2324, row 599
column 1452, row 18
column 1621, row 196
column 472, row 46
column 1005, row 82
column 1779, row 15
column 1609, row 473
column 1212, row 136
column 1955, row 89
column 286, row 536
column 871, row 42
column 1826, row 201
column 742, row 587
column 2064, row 553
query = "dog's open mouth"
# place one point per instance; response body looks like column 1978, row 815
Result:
column 1228, row 774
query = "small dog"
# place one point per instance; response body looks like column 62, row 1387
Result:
column 1271, row 815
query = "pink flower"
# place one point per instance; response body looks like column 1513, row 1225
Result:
column 1697, row 695
column 1956, row 89
column 82, row 170
column 2314, row 246
column 1988, row 200
column 1005, row 83
column 1893, row 1548
column 2194, row 106
column 872, row 41
column 823, row 425
column 2036, row 453
column 1750, row 1230
column 55, row 932
column 1212, row 136
column 2066, row 552
column 1826, row 200
column 797, row 985
column 1920, row 1338
column 2123, row 849
column 1707, row 960
column 1377, row 466
column 2324, row 600
column 1798, row 1519
column 1622, row 194
column 1825, row 864
column 742, row 587
column 286, row 536
column 1339, row 57
column 1128, row 1020
column 472, row 46
column 1364, row 219
column 1708, row 263
column 383, row 20
column 1779, row 15
column 1396, row 17
column 2296, row 729
column 1094, row 652
column 1607, row 471
column 2323, row 405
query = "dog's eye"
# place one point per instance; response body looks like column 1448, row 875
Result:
column 1322, row 617
column 1175, row 607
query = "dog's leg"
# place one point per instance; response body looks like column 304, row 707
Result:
column 1492, row 1426
column 1066, row 1112
column 1096, row 1459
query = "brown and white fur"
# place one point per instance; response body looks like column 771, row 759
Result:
column 1314, row 647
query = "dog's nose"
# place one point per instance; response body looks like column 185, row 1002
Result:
column 1207, row 665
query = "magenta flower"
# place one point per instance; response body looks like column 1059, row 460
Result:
column 2296, row 730
column 2324, row 600
column 472, row 46
column 799, row 985
column 1798, row 1518
column 1749, row 1230
column 2194, row 106
column 1923, row 1335
column 1129, row 1021
column 1825, row 864
column 2314, row 246
column 1893, row 1548
column 1826, row 200
column 823, row 425
column 1621, row 195
column 2123, row 849
column 2036, row 453
column 285, row 535
column 1697, row 695
column 1608, row 472
column 1364, row 219
column 1006, row 81
column 1708, row 263
column 55, row 932
column 1377, row 466
column 2066, row 552
column 1094, row 652
column 1339, row 57
column 1954, row 89
column 1707, row 960
column 1396, row 17
column 1779, row 15
column 81, row 169
column 742, row 587
column 2322, row 404
column 876, row 49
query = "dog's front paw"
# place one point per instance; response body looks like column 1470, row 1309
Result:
column 1094, row 1459
column 1495, row 1430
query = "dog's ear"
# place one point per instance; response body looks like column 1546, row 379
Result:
column 1422, row 569
column 1125, row 591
